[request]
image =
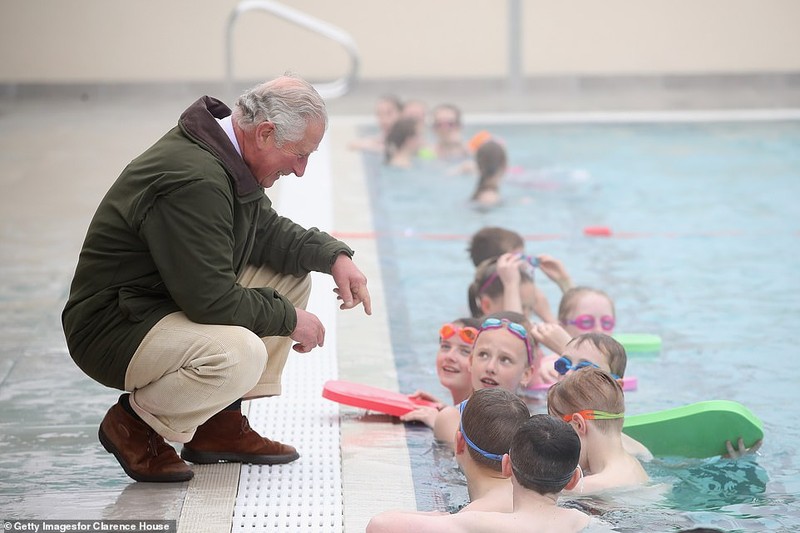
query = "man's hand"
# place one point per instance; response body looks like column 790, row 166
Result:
column 309, row 332
column 351, row 284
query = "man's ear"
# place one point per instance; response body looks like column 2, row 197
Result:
column 264, row 131
column 506, row 466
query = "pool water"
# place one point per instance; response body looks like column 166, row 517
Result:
column 704, row 252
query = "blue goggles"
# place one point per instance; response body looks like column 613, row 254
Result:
column 513, row 327
column 564, row 365
column 492, row 456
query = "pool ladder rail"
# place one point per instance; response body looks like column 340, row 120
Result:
column 332, row 89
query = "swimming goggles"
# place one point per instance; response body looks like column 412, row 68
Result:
column 532, row 261
column 488, row 455
column 587, row 322
column 592, row 414
column 513, row 327
column 564, row 365
column 467, row 334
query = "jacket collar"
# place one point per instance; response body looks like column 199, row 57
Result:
column 200, row 124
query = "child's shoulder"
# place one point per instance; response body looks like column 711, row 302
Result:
column 446, row 424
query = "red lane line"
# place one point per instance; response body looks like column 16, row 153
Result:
column 544, row 236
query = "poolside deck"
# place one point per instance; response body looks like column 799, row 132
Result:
column 58, row 159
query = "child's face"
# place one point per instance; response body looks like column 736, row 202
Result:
column 593, row 305
column 527, row 295
column 446, row 124
column 387, row 113
column 499, row 359
column 586, row 352
column 452, row 362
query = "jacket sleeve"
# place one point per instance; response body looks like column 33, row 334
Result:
column 189, row 234
column 289, row 248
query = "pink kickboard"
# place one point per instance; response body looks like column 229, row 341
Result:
column 371, row 398
column 629, row 383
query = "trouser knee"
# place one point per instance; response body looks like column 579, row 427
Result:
column 248, row 360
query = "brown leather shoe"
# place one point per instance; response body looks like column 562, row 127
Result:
column 227, row 436
column 143, row 453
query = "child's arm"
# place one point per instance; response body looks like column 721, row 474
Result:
column 508, row 266
column 425, row 414
column 446, row 425
column 554, row 269
column 402, row 521
column 547, row 371
column 636, row 448
column 551, row 335
column 541, row 306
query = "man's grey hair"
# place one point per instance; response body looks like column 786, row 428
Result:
column 288, row 102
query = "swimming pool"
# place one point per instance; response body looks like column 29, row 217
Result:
column 704, row 253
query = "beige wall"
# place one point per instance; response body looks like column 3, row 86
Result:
column 96, row 41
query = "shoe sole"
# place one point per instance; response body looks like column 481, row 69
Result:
column 167, row 478
column 203, row 458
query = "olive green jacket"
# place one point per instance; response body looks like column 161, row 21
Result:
column 172, row 234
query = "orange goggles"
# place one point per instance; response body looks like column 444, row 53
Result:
column 467, row 334
column 592, row 414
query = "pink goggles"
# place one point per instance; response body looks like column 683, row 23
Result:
column 587, row 322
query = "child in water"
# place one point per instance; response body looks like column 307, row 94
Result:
column 541, row 462
column 402, row 143
column 492, row 161
column 591, row 400
column 491, row 242
column 452, row 368
column 503, row 357
column 582, row 310
column 388, row 108
column 506, row 283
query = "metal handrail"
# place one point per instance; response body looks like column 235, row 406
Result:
column 332, row 89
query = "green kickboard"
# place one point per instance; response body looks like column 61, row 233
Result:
column 639, row 344
column 696, row 430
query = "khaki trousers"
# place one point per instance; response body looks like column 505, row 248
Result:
column 183, row 373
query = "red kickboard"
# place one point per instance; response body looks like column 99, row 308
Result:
column 629, row 383
column 371, row 398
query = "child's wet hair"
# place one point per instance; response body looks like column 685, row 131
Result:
column 491, row 158
column 611, row 348
column 544, row 454
column 493, row 241
column 490, row 419
column 468, row 322
column 570, row 299
column 487, row 272
column 588, row 388
column 403, row 129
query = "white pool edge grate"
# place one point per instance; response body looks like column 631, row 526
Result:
column 305, row 495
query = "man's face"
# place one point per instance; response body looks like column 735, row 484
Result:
column 270, row 161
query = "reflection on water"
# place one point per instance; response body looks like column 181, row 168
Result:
column 712, row 484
